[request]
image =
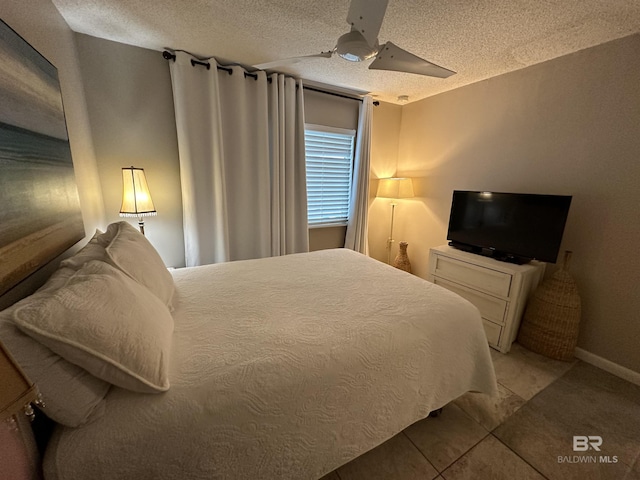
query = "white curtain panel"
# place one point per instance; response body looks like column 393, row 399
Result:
column 198, row 120
column 244, row 118
column 225, row 126
column 289, row 226
column 357, row 226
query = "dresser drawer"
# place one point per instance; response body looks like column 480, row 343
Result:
column 491, row 308
column 484, row 279
column 492, row 331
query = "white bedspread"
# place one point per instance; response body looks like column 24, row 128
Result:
column 285, row 368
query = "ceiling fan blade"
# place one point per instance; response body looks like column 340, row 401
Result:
column 366, row 17
column 291, row 61
column 392, row 57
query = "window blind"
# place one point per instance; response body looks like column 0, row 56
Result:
column 329, row 160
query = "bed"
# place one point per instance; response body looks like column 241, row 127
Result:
column 285, row 367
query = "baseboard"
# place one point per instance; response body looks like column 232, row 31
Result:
column 608, row 366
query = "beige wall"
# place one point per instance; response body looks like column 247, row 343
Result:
column 130, row 103
column 385, row 131
column 330, row 110
column 567, row 126
column 40, row 24
column 322, row 238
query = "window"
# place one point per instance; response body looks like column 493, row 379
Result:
column 329, row 153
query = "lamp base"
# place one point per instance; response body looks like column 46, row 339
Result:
column 389, row 246
column 141, row 225
column 390, row 239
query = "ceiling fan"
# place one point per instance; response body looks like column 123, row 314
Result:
column 361, row 43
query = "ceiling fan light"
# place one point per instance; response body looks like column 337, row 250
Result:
column 353, row 47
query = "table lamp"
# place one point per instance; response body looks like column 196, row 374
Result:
column 136, row 198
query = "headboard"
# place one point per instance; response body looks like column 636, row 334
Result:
column 40, row 214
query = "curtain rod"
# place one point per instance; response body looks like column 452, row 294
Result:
column 171, row 56
column 335, row 94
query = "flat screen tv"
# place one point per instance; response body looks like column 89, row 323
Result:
column 512, row 227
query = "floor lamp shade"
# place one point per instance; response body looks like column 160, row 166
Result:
column 395, row 188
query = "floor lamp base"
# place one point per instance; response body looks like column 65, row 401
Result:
column 390, row 239
column 389, row 246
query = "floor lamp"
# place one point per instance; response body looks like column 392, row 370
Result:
column 136, row 198
column 394, row 188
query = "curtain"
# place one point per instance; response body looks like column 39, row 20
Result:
column 239, row 143
column 199, row 132
column 357, row 223
column 289, row 227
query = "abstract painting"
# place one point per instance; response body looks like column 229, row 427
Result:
column 40, row 213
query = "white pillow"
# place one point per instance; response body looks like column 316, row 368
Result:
column 72, row 396
column 106, row 323
column 132, row 253
column 91, row 251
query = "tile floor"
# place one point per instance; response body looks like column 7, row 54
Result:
column 526, row 432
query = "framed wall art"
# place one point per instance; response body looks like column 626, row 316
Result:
column 40, row 213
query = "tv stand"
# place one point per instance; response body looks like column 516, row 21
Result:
column 499, row 290
column 491, row 253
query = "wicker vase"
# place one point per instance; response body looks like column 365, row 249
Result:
column 402, row 259
column 552, row 318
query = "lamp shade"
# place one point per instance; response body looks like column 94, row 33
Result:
column 16, row 391
column 136, row 198
column 395, row 188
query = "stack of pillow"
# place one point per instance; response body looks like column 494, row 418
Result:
column 102, row 319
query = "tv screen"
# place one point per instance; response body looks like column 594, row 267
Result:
column 515, row 227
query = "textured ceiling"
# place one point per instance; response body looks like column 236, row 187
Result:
column 478, row 39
